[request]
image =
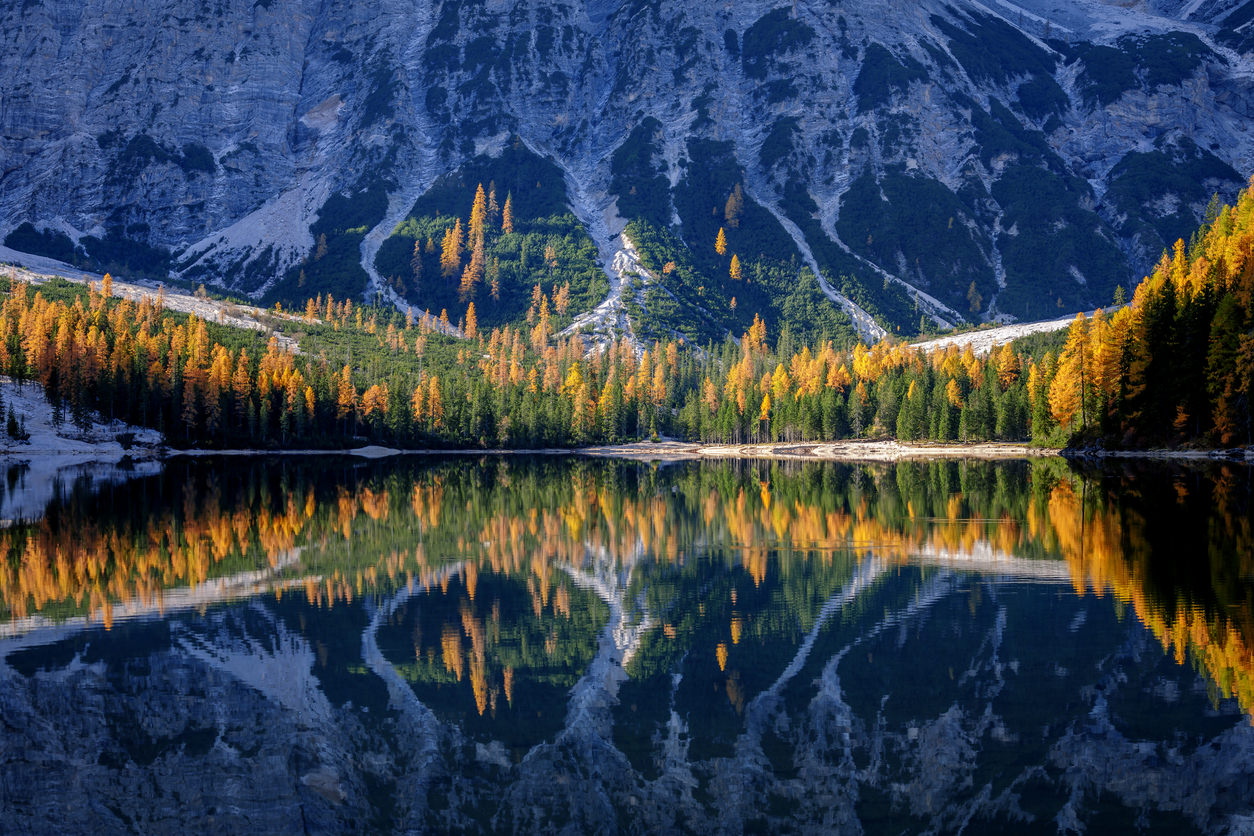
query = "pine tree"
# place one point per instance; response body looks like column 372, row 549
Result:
column 1105, row 355
column 16, row 431
column 756, row 337
column 470, row 277
column 346, row 399
column 478, row 217
column 472, row 321
column 975, row 302
column 709, row 395
column 507, row 215
column 734, row 269
column 1007, row 366
column 734, row 207
column 1067, row 392
column 561, row 299
column 435, row 404
column 720, row 243
column 418, row 403
column 494, row 208
column 494, row 279
column 1223, row 379
column 241, row 389
column 415, row 267
column 451, row 251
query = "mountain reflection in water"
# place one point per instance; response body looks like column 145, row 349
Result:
column 562, row 645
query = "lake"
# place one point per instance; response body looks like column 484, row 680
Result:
column 480, row 644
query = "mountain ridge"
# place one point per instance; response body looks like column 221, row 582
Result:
column 931, row 161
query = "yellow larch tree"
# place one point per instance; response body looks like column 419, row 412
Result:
column 709, row 395
column 451, row 251
column 478, row 216
column 468, row 285
column 953, row 393
column 1067, row 391
column 346, row 395
column 507, row 215
column 1008, row 366
column 435, row 404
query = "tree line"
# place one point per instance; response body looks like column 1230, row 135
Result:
column 512, row 386
column 1176, row 365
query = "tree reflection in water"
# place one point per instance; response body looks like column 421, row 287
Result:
column 729, row 645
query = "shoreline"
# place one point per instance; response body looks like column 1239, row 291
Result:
column 676, row 451
column 850, row 450
column 837, row 451
column 860, row 450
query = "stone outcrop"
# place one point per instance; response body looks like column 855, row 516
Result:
column 216, row 132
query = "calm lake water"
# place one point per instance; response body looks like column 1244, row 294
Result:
column 562, row 645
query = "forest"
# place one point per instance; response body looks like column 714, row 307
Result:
column 1173, row 366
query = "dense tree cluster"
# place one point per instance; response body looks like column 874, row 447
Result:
column 145, row 365
column 1177, row 364
column 508, row 387
column 487, row 235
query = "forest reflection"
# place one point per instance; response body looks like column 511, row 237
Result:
column 497, row 549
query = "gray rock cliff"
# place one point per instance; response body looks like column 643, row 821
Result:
column 1038, row 153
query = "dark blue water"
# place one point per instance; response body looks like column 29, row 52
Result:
column 507, row 645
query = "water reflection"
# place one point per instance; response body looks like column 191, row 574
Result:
column 503, row 644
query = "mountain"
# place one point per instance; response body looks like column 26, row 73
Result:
column 932, row 161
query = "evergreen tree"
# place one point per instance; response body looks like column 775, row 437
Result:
column 415, row 267
column 451, row 250
column 507, row 215
column 734, row 207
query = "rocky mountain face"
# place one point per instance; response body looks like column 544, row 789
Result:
column 926, row 159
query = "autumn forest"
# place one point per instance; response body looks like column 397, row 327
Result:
column 1173, row 366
